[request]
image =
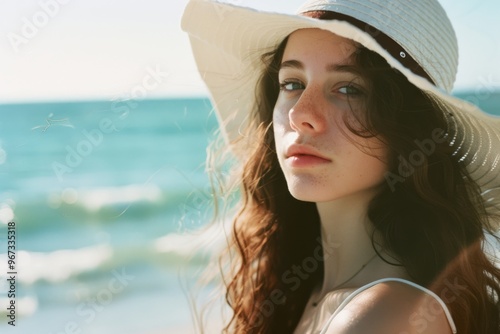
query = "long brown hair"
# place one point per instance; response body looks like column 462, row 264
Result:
column 429, row 213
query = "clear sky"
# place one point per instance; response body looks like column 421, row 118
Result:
column 82, row 49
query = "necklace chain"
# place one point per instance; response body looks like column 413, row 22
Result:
column 347, row 280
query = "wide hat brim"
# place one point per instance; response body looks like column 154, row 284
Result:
column 228, row 42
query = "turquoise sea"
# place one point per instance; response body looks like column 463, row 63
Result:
column 102, row 193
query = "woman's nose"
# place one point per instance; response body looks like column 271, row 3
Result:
column 308, row 113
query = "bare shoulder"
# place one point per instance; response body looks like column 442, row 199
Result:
column 391, row 307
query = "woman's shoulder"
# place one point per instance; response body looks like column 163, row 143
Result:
column 391, row 307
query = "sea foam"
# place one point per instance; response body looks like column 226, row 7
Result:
column 58, row 266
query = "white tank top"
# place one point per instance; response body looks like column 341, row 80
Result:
column 369, row 285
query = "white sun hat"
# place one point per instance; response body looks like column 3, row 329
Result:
column 228, row 42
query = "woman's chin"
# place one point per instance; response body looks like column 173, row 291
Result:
column 310, row 195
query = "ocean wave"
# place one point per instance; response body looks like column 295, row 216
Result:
column 98, row 198
column 25, row 306
column 203, row 242
column 71, row 208
column 60, row 265
column 7, row 211
column 91, row 262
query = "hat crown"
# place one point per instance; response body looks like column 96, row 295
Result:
column 421, row 27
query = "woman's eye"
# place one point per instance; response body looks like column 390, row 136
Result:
column 350, row 90
column 291, row 86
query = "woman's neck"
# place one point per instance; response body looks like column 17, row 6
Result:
column 346, row 238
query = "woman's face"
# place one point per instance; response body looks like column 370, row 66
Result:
column 321, row 158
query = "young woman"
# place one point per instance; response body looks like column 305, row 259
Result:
column 366, row 189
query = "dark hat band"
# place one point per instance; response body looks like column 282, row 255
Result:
column 396, row 50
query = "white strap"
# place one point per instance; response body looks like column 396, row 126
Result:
column 369, row 285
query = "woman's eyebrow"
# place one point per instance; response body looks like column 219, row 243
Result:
column 295, row 64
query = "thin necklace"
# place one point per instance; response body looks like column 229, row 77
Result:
column 347, row 280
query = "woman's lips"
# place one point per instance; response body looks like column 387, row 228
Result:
column 306, row 160
column 300, row 156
